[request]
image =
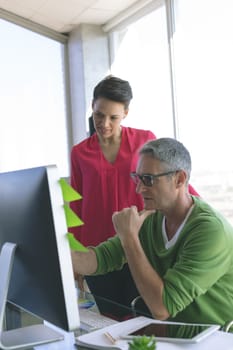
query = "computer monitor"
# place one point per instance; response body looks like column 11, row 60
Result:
column 35, row 263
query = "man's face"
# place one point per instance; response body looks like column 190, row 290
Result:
column 162, row 193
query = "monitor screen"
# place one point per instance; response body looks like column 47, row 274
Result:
column 32, row 217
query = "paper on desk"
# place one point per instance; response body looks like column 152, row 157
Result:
column 97, row 339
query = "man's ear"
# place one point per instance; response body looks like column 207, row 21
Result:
column 181, row 178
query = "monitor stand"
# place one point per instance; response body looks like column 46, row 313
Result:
column 25, row 337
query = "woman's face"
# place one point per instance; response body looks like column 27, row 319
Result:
column 107, row 117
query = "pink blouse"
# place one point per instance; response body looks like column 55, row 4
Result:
column 105, row 187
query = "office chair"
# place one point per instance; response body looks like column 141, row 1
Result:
column 139, row 307
column 227, row 327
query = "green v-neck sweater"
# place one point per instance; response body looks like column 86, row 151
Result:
column 197, row 270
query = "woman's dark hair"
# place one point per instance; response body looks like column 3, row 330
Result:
column 114, row 89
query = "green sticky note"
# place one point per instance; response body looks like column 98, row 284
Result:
column 75, row 244
column 69, row 194
column 72, row 219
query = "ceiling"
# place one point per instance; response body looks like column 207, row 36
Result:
column 64, row 15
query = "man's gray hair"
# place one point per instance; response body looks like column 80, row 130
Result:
column 170, row 152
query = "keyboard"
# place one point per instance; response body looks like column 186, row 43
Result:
column 91, row 320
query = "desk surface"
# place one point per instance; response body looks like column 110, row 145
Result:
column 218, row 340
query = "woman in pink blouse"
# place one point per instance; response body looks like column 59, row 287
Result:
column 100, row 172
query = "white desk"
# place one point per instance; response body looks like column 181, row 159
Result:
column 217, row 341
column 67, row 344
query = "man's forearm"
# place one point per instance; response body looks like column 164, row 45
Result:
column 84, row 263
column 148, row 282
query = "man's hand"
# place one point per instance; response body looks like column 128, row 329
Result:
column 128, row 222
column 80, row 281
column 150, row 285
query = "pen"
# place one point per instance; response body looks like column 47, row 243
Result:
column 110, row 337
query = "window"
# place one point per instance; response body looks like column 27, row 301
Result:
column 142, row 58
column 33, row 115
column 203, row 54
column 202, row 59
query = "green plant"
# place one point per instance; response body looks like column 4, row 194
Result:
column 143, row 343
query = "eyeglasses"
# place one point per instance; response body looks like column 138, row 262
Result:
column 148, row 179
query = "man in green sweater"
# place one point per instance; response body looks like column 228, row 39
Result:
column 179, row 249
